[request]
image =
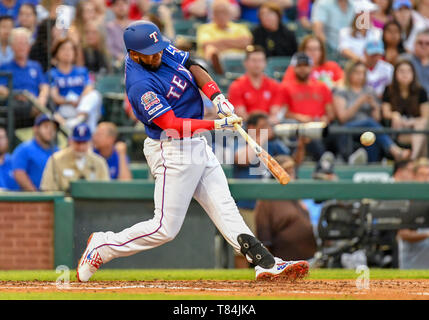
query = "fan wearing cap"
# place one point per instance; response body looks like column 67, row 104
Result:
column 30, row 157
column 307, row 100
column 402, row 13
column 75, row 162
column 379, row 72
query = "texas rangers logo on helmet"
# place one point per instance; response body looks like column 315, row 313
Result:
column 154, row 36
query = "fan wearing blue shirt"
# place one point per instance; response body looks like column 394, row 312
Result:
column 72, row 90
column 27, row 75
column 113, row 151
column 10, row 8
column 30, row 157
column 7, row 182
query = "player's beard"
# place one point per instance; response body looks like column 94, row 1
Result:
column 149, row 66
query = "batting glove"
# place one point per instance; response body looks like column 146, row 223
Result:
column 227, row 122
column 224, row 108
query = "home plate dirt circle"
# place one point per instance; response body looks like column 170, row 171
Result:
column 337, row 289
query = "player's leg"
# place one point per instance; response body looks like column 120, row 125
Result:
column 214, row 196
column 175, row 182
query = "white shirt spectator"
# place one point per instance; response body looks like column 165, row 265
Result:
column 380, row 76
column 357, row 44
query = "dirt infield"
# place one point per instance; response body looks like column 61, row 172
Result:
column 328, row 289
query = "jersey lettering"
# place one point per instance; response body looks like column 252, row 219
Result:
column 179, row 83
column 173, row 93
column 153, row 36
column 182, row 68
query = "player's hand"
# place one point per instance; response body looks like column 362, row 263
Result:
column 228, row 122
column 224, row 108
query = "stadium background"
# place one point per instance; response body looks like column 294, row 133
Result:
column 45, row 229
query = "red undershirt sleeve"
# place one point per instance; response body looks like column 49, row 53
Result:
column 181, row 127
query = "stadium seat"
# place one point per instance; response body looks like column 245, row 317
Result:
column 233, row 67
column 276, row 67
column 186, row 27
column 112, row 83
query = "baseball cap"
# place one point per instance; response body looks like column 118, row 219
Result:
column 42, row 118
column 398, row 4
column 301, row 58
column 374, row 47
column 81, row 133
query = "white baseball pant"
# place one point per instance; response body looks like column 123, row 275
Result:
column 183, row 169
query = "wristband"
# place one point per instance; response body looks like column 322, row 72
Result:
column 211, row 90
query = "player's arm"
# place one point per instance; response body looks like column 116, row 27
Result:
column 412, row 235
column 176, row 127
column 209, row 87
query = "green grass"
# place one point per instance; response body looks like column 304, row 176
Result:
column 203, row 274
column 175, row 274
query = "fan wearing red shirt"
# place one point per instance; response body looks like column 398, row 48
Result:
column 307, row 100
column 254, row 91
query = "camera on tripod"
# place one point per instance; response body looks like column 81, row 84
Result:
column 367, row 227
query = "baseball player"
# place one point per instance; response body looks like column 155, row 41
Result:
column 162, row 85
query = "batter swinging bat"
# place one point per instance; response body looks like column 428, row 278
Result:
column 272, row 165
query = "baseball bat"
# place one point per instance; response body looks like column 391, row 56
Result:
column 272, row 165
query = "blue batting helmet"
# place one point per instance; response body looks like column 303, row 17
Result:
column 144, row 37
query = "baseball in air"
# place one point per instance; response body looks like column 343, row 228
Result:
column 367, row 138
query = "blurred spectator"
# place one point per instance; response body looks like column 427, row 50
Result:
column 76, row 162
column 30, row 157
column 284, row 226
column 323, row 70
column 413, row 245
column 201, row 10
column 71, row 89
column 47, row 35
column 10, row 8
column 106, row 144
column 392, row 42
column 222, row 37
column 86, row 13
column 421, row 14
column 304, row 13
column 379, row 73
column 254, row 91
column 248, row 166
column 403, row 170
column 249, row 9
column 27, row 18
column 27, row 75
column 307, row 100
column 115, row 29
column 163, row 19
column 6, row 52
column 382, row 14
column 48, row 9
column 272, row 34
column 405, row 105
column 7, row 181
column 402, row 12
column 329, row 17
column 97, row 59
column 420, row 58
column 103, row 11
column 357, row 106
column 353, row 38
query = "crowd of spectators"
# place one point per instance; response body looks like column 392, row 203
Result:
column 352, row 63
